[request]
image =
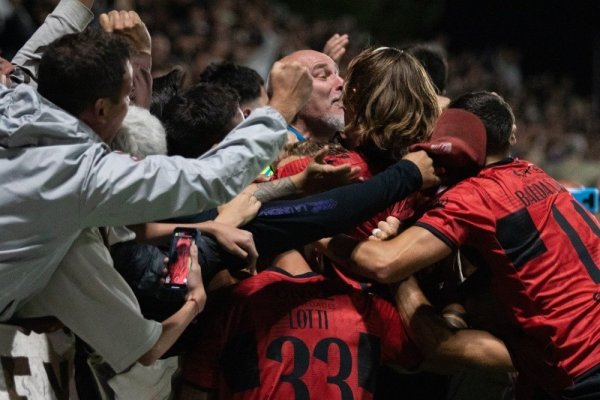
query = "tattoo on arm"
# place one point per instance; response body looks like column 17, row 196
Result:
column 276, row 189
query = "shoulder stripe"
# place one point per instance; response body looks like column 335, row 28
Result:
column 438, row 234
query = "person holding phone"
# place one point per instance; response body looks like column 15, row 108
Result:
column 179, row 268
column 54, row 260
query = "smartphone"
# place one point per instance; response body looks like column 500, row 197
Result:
column 180, row 259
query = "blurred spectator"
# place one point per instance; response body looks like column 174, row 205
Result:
column 253, row 33
column 248, row 84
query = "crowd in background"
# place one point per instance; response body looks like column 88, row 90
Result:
column 556, row 125
column 555, row 130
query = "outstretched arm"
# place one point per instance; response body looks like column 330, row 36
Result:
column 129, row 25
column 390, row 260
column 283, row 225
column 69, row 16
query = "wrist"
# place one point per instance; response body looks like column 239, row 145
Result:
column 299, row 182
column 287, row 112
column 196, row 304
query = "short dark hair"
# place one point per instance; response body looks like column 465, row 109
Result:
column 245, row 81
column 199, row 118
column 80, row 68
column 434, row 61
column 165, row 88
column 496, row 115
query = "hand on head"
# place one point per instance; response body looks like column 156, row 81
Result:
column 130, row 25
column 425, row 165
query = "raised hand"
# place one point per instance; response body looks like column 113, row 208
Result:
column 130, row 25
column 336, row 47
column 291, row 86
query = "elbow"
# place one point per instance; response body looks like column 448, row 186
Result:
column 382, row 271
column 380, row 262
column 149, row 358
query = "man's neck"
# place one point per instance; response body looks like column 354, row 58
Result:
column 309, row 132
column 494, row 158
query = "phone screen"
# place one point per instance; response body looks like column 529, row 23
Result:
column 179, row 258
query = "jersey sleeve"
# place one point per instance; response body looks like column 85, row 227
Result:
column 456, row 215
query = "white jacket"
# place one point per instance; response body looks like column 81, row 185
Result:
column 57, row 177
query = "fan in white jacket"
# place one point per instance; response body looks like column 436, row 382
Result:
column 57, row 177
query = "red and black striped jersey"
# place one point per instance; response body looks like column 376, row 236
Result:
column 542, row 250
column 297, row 337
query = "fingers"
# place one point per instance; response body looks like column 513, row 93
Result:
column 375, row 234
column 386, row 229
column 245, row 249
column 254, row 206
column 336, row 46
column 426, row 167
column 320, row 156
column 105, row 22
column 390, row 226
column 194, row 258
column 248, row 247
column 355, row 174
column 119, row 20
column 291, row 83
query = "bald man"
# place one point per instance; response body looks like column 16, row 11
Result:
column 323, row 115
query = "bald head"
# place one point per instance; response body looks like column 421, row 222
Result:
column 323, row 115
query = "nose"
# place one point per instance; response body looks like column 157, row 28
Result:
column 338, row 83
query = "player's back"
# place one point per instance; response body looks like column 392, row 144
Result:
column 297, row 337
column 543, row 251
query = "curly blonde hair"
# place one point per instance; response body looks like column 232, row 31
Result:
column 390, row 101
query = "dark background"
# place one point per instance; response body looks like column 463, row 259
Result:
column 556, row 37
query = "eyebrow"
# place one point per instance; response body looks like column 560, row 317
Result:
column 323, row 66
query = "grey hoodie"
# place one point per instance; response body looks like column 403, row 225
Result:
column 57, row 177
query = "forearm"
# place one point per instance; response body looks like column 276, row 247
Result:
column 283, row 225
column 469, row 348
column 391, row 260
column 159, row 187
column 69, row 16
column 159, row 233
column 445, row 350
column 276, row 189
column 172, row 328
column 142, row 80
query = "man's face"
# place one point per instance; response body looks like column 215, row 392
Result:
column 324, row 107
column 115, row 112
column 6, row 68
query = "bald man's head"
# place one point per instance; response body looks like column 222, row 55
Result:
column 323, row 115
